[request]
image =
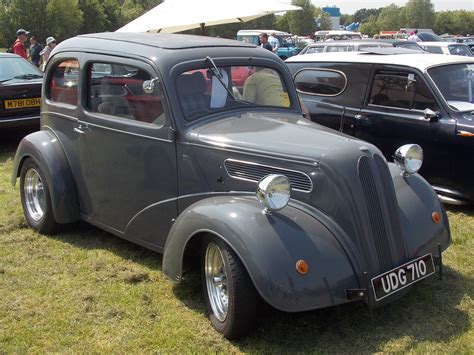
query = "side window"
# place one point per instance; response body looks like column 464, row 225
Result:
column 117, row 90
column 401, row 90
column 315, row 50
column 436, row 50
column 321, row 82
column 63, row 82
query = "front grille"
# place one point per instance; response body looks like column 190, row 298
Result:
column 392, row 207
column 255, row 172
column 374, row 209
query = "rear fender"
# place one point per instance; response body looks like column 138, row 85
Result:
column 45, row 149
column 269, row 247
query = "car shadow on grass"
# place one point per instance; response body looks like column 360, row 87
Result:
column 429, row 312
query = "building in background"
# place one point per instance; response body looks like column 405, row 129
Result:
column 335, row 14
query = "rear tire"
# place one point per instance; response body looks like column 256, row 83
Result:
column 36, row 198
column 230, row 295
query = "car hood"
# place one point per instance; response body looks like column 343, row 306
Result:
column 282, row 135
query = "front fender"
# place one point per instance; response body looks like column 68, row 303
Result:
column 45, row 149
column 269, row 247
column 417, row 201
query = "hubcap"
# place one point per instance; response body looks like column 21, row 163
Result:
column 34, row 194
column 216, row 281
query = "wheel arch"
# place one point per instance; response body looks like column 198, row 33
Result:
column 46, row 151
column 267, row 248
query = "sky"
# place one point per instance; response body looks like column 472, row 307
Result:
column 351, row 6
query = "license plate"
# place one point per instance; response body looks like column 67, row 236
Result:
column 22, row 103
column 397, row 279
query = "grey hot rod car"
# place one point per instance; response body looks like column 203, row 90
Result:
column 197, row 147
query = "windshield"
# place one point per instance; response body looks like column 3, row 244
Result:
column 456, row 83
column 459, row 49
column 201, row 92
column 17, row 68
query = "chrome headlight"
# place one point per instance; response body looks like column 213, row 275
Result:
column 409, row 158
column 274, row 192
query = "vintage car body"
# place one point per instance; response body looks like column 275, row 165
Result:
column 449, row 48
column 287, row 48
column 20, row 92
column 357, row 46
column 185, row 186
column 446, row 135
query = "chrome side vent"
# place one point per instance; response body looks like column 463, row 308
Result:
column 255, row 172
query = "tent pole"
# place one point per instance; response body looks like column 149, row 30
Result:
column 203, row 28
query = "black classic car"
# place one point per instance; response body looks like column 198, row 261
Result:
column 197, row 148
column 391, row 100
column 20, row 91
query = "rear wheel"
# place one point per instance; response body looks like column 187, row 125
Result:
column 230, row 295
column 36, row 198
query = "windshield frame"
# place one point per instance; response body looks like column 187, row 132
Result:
column 200, row 64
column 434, row 83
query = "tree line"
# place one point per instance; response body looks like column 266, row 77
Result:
column 415, row 14
column 67, row 18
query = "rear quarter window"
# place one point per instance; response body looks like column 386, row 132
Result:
column 436, row 50
column 62, row 84
column 321, row 82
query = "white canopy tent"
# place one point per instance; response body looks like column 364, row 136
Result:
column 180, row 15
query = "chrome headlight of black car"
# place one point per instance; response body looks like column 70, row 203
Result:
column 274, row 192
column 409, row 158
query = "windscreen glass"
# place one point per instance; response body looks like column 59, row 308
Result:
column 209, row 90
column 456, row 83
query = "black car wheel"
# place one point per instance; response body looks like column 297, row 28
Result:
column 230, row 295
column 36, row 198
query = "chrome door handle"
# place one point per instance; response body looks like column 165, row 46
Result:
column 358, row 117
column 82, row 129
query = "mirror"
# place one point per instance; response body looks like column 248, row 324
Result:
column 431, row 115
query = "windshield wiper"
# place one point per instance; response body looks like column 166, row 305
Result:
column 217, row 73
column 28, row 76
column 23, row 76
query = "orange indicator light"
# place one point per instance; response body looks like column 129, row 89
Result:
column 436, row 217
column 302, row 267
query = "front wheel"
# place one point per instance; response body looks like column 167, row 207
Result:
column 230, row 295
column 36, row 198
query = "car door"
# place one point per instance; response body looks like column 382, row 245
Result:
column 393, row 115
column 332, row 92
column 127, row 155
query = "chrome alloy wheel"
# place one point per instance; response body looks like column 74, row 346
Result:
column 216, row 281
column 34, row 194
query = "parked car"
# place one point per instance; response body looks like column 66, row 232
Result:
column 336, row 35
column 288, row 46
column 20, row 91
column 390, row 100
column 149, row 138
column 451, row 48
column 356, row 46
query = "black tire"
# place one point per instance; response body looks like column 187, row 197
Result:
column 241, row 293
column 43, row 222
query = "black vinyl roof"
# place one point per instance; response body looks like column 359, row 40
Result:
column 168, row 41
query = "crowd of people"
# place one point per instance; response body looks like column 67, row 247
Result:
column 269, row 42
column 35, row 52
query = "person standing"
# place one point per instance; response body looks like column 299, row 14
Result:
column 35, row 50
column 414, row 37
column 19, row 44
column 274, row 42
column 45, row 53
column 264, row 42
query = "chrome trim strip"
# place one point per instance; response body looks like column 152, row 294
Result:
column 266, row 166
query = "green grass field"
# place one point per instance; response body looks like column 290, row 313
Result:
column 85, row 290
